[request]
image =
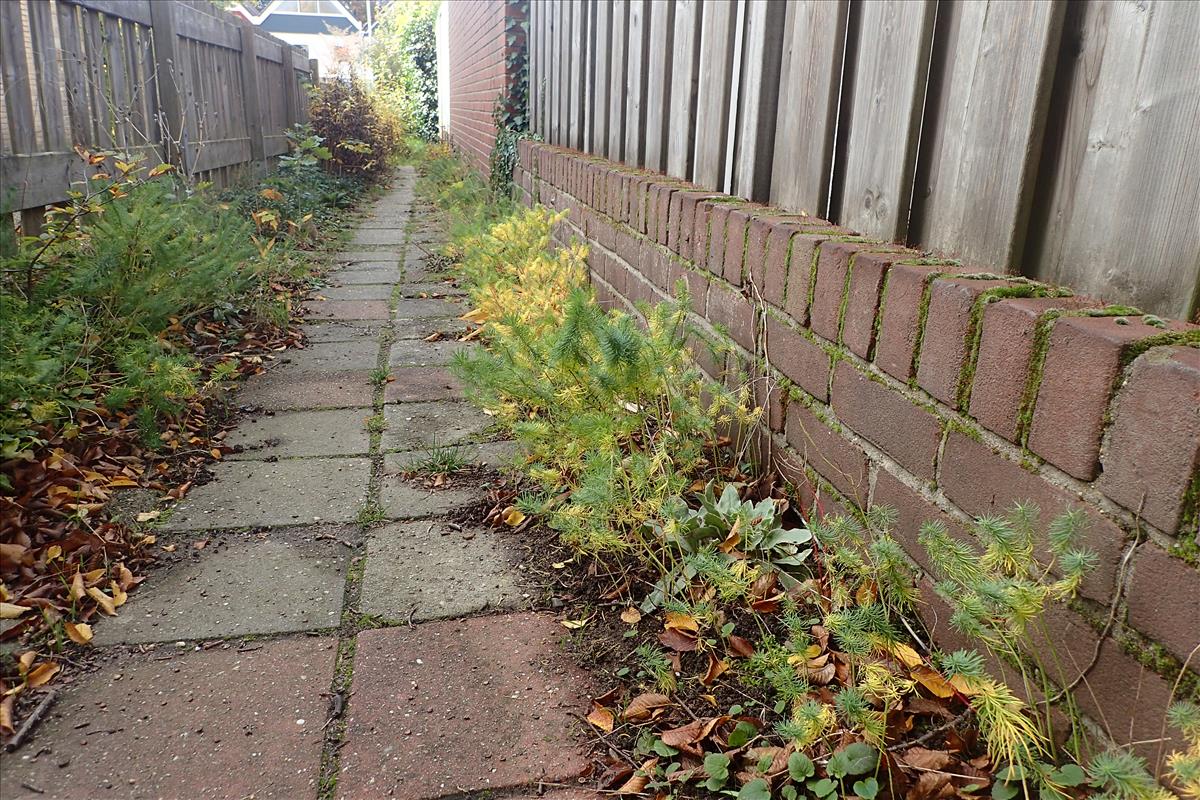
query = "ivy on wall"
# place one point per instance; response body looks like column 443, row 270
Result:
column 510, row 113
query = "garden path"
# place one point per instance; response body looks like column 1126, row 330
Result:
column 325, row 629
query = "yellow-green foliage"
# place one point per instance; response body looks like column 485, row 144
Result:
column 614, row 418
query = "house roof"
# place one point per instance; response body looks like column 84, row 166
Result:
column 293, row 16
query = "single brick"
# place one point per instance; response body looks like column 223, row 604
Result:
column 900, row 318
column 1164, row 599
column 731, row 309
column 1152, row 455
column 1005, row 355
column 656, row 266
column 736, row 228
column 833, row 269
column 888, row 419
column 695, row 247
column 683, row 220
column 628, row 247
column 707, row 356
column 1083, row 362
column 868, row 276
column 775, row 263
column 757, row 238
column 802, row 361
column 717, row 222
column 834, row 457
column 912, row 511
column 1129, row 701
column 659, row 206
column 980, row 481
column 947, row 346
column 697, row 284
column 800, row 270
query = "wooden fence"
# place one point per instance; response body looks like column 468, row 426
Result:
column 174, row 80
column 1058, row 140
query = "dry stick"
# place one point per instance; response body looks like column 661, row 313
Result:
column 31, row 721
column 929, row 734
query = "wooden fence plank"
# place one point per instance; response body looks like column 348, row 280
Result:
column 76, row 85
column 588, row 80
column 616, row 81
column 602, row 64
column 49, row 77
column 1117, row 201
column 576, row 60
column 887, row 92
column 637, row 55
column 992, row 68
column 685, row 73
column 534, row 65
column 101, row 96
column 814, row 37
column 758, row 95
column 658, row 83
column 718, row 29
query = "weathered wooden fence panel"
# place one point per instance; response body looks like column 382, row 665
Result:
column 1058, row 139
column 167, row 80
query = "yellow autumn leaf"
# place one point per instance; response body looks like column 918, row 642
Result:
column 119, row 596
column 11, row 610
column 906, row 655
column 6, row 717
column 76, row 591
column 104, row 601
column 476, row 315
column 26, row 661
column 271, row 194
column 574, row 624
column 514, row 517
column 681, row 622
column 968, row 687
column 631, row 616
column 148, row 516
column 41, row 674
column 94, row 575
column 78, row 632
column 53, row 552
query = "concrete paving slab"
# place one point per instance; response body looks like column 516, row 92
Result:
column 427, row 570
column 419, row 353
column 451, row 327
column 359, row 353
column 346, row 309
column 417, row 426
column 238, row 585
column 287, row 389
column 393, row 216
column 358, row 291
column 203, row 725
column 415, row 384
column 402, row 499
column 392, row 256
column 346, row 330
column 423, row 309
column 301, row 434
column 352, row 276
column 249, row 494
column 366, row 238
column 418, row 272
column 461, row 706
column 432, row 289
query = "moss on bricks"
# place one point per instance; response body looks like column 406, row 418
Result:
column 1153, row 656
column 922, row 317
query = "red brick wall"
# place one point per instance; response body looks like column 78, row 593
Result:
column 478, row 73
column 936, row 389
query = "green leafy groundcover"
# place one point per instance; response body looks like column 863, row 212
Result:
column 769, row 655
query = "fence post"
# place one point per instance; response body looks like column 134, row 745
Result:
column 249, row 69
column 172, row 122
column 290, row 87
column 314, row 71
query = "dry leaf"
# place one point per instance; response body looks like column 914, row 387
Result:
column 6, row 714
column 574, row 624
column 78, row 632
column 906, row 655
column 678, row 640
column 104, row 601
column 644, row 706
column 740, row 647
column 631, row 616
column 932, row 681
column 513, row 517
column 637, row 782
column 716, row 668
column 41, row 674
column 76, row 592
column 601, row 717
column 11, row 610
column 118, row 594
column 148, row 516
column 681, row 622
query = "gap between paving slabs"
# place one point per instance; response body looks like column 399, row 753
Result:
column 272, row 576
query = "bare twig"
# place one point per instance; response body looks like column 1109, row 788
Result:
column 931, row 733
column 31, row 721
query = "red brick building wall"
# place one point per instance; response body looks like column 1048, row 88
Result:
column 939, row 390
column 479, row 72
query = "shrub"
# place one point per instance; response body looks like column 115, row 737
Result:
column 403, row 57
column 362, row 137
